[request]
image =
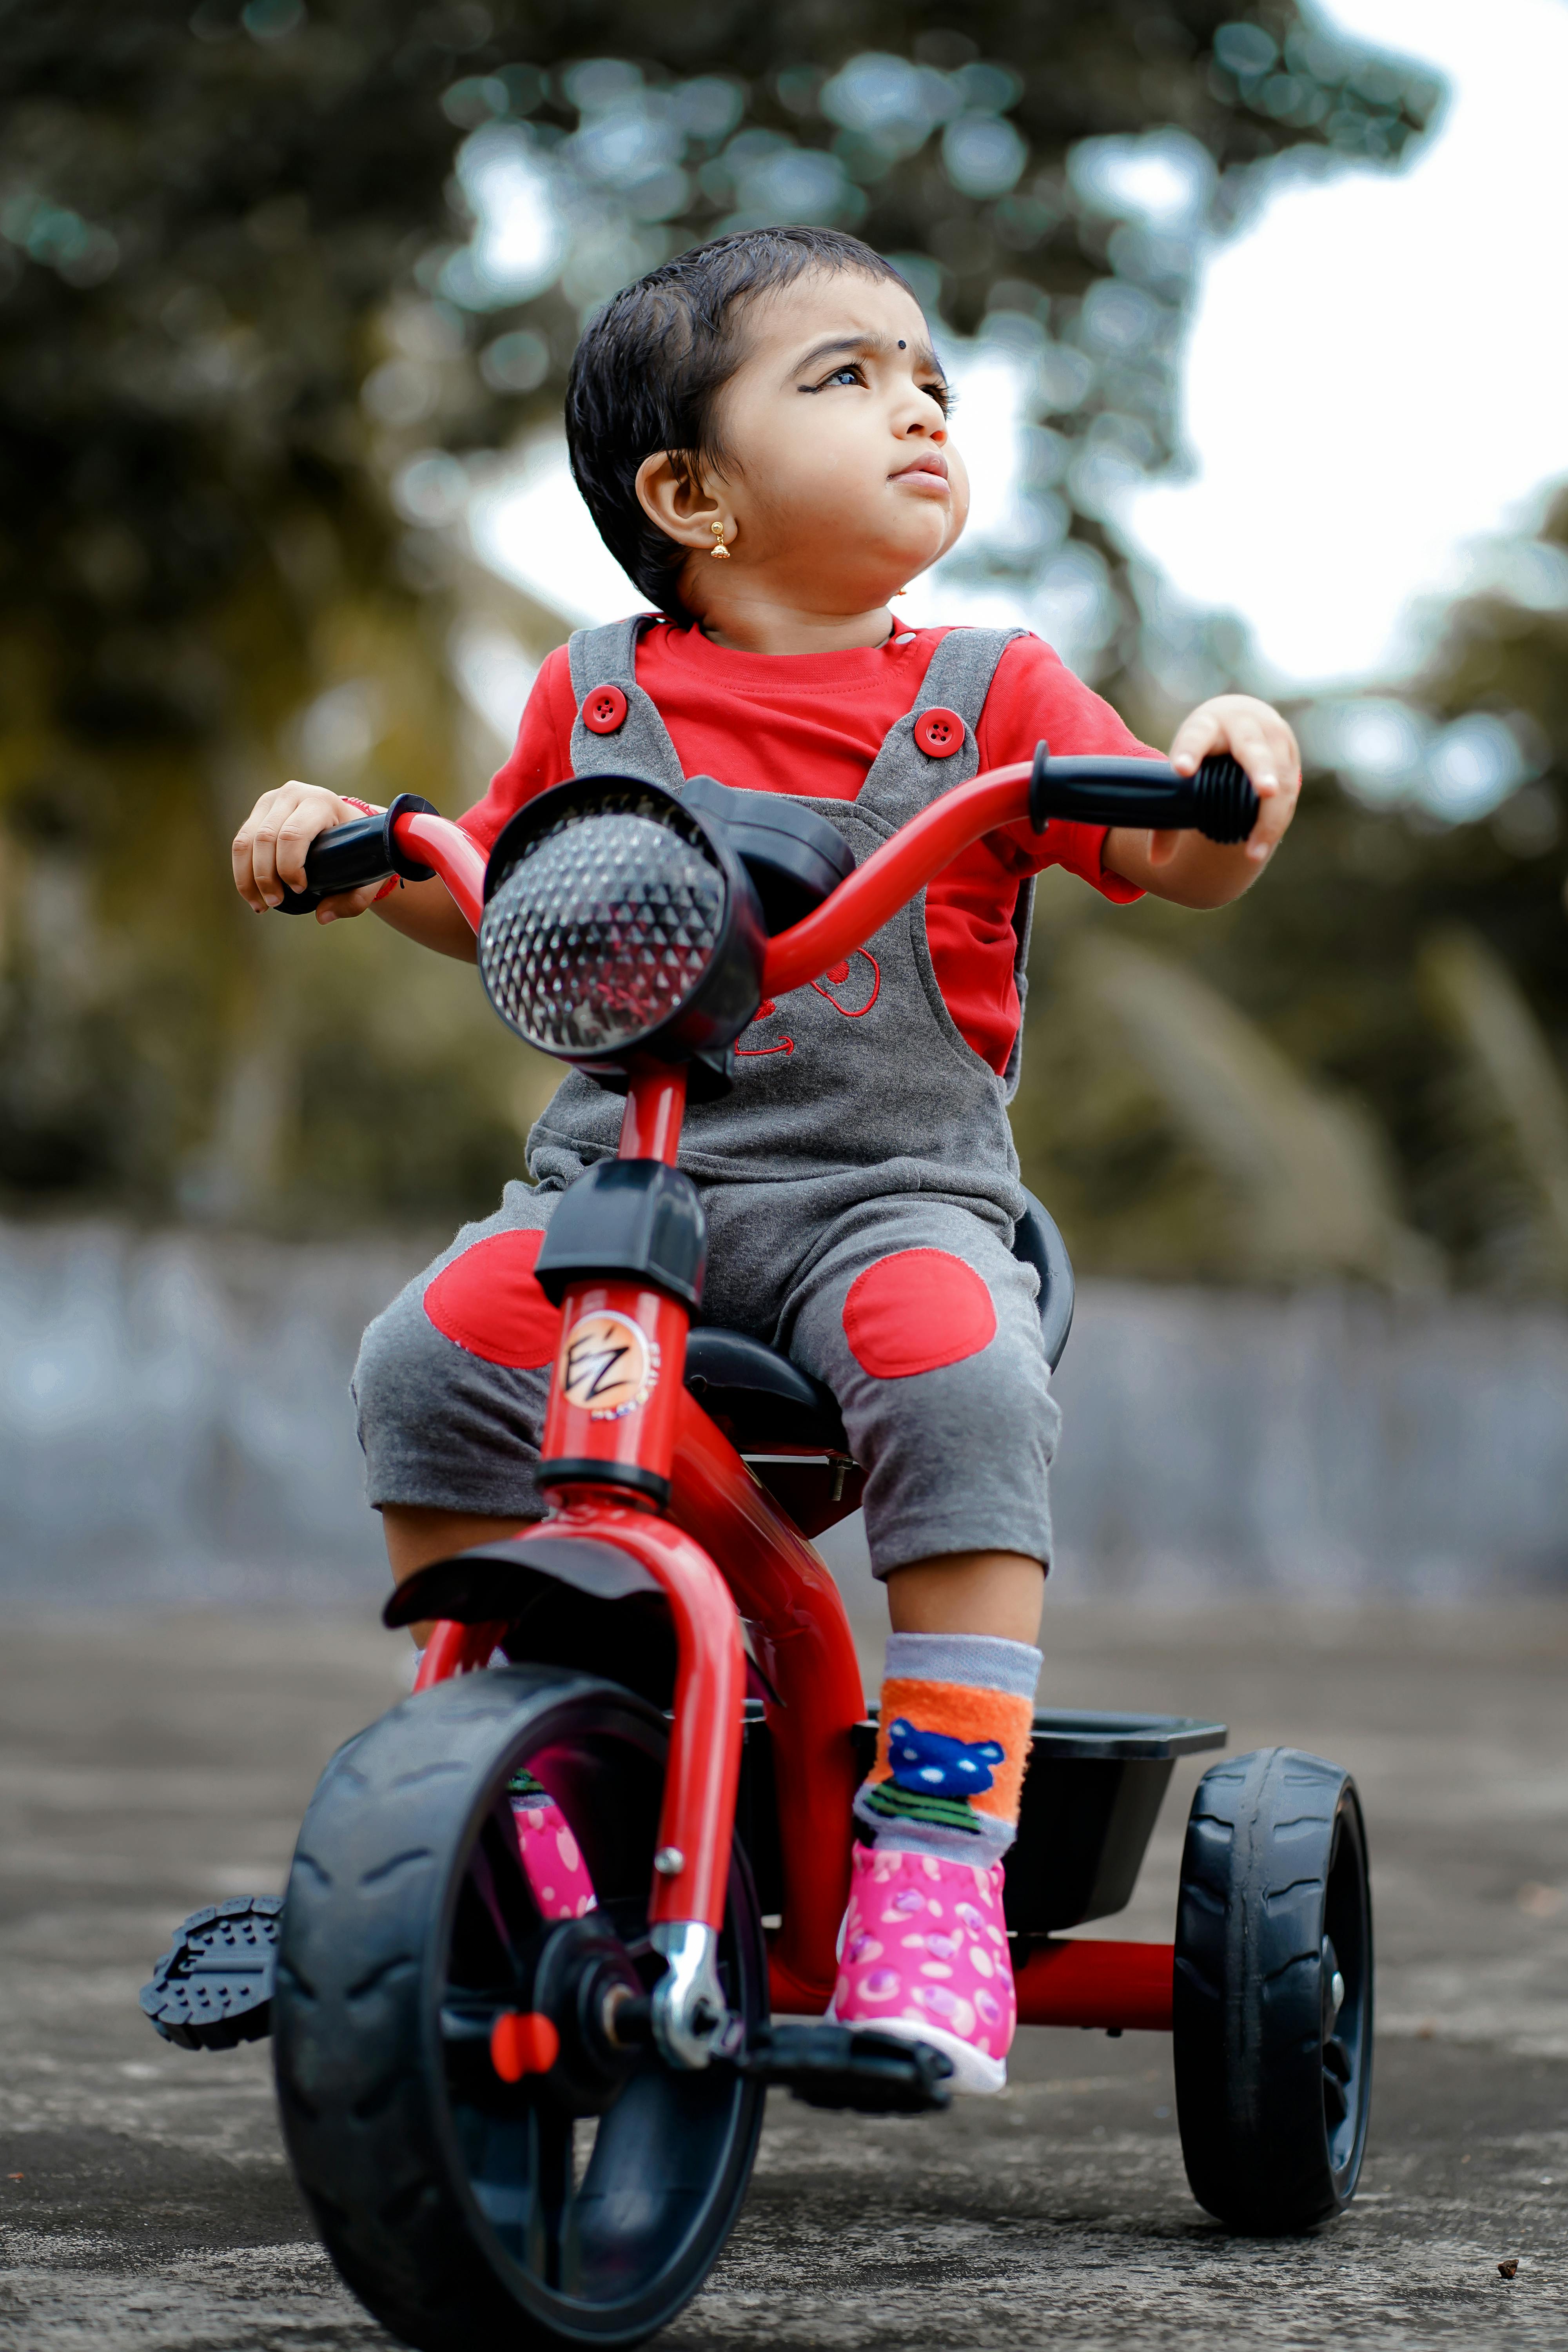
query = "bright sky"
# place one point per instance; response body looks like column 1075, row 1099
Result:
column 1374, row 383
column 1376, row 370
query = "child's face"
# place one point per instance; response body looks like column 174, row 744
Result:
column 840, row 477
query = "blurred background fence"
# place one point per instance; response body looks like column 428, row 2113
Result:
column 174, row 1427
column 288, row 291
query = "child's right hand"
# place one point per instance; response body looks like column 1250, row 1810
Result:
column 270, row 848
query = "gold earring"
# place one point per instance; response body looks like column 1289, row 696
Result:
column 718, row 550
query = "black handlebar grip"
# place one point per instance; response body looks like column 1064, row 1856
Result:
column 1225, row 798
column 1219, row 801
column 349, row 856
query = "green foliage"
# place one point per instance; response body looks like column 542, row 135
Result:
column 1332, row 953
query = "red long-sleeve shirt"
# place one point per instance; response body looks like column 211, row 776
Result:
column 812, row 724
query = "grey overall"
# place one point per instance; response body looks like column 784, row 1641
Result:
column 861, row 1188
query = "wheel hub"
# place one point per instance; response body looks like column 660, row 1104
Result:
column 586, row 1993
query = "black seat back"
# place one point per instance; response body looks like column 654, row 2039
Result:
column 1036, row 1239
column 758, row 1397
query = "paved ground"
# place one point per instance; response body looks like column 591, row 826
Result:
column 147, row 1766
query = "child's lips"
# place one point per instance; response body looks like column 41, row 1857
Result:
column 929, row 476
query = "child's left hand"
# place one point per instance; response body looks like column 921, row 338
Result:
column 1187, row 869
column 1258, row 738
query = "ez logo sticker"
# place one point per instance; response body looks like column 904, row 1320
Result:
column 608, row 1365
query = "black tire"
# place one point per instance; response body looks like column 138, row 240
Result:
column 1274, row 2077
column 458, row 2213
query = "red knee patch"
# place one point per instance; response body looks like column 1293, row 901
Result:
column 489, row 1302
column 915, row 1312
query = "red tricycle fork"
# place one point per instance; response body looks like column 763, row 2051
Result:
column 616, row 1397
column 621, row 1435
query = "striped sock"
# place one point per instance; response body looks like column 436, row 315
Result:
column 956, row 1715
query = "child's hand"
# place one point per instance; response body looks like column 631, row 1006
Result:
column 270, row 848
column 1185, row 868
column 1258, row 738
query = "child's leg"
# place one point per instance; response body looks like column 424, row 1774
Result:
column 996, row 1592
column 415, row 1535
column 925, row 1953
column 450, row 1387
column 924, row 1324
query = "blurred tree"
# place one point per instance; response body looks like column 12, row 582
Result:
column 270, row 271
column 1398, row 957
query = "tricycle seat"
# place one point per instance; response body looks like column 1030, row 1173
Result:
column 757, row 1396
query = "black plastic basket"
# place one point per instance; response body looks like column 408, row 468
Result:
column 1092, row 1795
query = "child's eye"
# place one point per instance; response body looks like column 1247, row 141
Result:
column 942, row 395
column 849, row 374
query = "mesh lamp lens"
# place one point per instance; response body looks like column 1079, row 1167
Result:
column 615, row 922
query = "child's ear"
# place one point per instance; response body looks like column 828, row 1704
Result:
column 677, row 502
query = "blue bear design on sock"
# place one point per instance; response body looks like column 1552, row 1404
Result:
column 933, row 1764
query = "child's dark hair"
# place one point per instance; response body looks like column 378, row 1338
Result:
column 649, row 370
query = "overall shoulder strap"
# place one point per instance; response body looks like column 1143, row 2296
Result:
column 904, row 775
column 960, row 673
column 959, row 680
column 605, row 656
column 954, row 688
column 628, row 737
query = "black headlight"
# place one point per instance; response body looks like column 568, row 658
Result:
column 617, row 923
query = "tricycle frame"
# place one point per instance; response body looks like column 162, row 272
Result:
column 724, row 1553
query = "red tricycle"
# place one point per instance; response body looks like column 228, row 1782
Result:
column 515, row 2128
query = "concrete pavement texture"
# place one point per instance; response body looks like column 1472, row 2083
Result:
column 150, row 1764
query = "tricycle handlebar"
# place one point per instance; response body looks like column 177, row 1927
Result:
column 874, row 891
column 1218, row 801
column 411, row 840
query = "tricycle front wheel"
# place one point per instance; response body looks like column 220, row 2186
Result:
column 1272, row 2018
column 467, row 2212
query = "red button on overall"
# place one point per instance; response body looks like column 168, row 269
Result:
column 605, row 710
column 938, row 732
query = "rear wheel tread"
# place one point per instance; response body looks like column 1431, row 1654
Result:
column 1293, row 1886
column 1264, row 2149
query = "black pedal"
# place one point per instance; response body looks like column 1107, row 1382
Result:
column 851, row 2066
column 212, row 1988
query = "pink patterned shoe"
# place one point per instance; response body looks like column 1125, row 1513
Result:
column 551, row 1858
column 925, row 1956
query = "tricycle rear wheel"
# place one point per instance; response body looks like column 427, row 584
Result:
column 1273, row 1990
column 466, row 2212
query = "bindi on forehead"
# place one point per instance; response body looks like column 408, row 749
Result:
column 862, row 343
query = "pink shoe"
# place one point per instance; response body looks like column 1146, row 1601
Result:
column 924, row 1955
column 551, row 1858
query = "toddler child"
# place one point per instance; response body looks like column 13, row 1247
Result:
column 760, row 430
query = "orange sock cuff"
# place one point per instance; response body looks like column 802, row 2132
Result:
column 955, row 1745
